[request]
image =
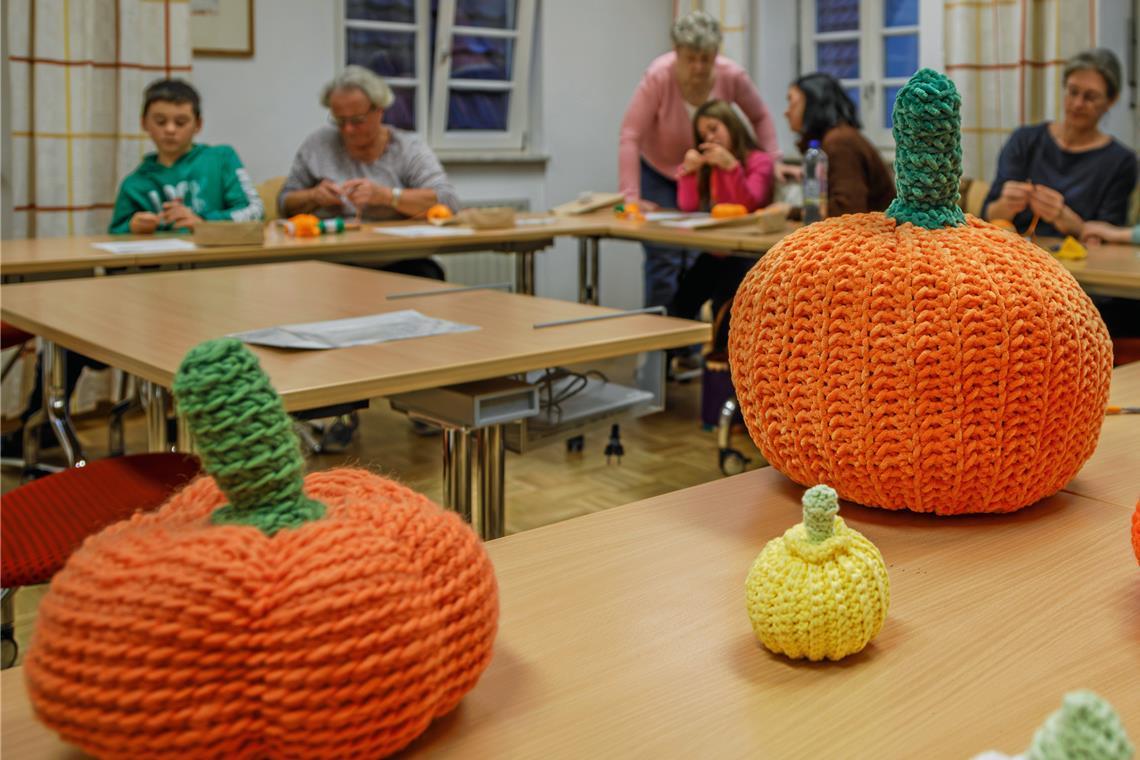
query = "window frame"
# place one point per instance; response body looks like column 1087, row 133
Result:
column 871, row 35
column 433, row 76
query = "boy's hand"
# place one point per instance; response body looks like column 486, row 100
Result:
column 327, row 193
column 716, row 155
column 178, row 215
column 693, row 161
column 144, row 223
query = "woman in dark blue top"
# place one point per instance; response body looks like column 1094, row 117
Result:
column 1067, row 172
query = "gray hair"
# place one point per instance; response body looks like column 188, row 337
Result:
column 697, row 30
column 1101, row 60
column 359, row 78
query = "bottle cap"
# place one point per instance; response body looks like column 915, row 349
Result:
column 813, row 143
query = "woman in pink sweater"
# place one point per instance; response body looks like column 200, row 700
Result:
column 657, row 130
column 726, row 167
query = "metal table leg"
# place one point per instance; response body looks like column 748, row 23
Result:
column 595, row 270
column 55, row 404
column 583, row 270
column 524, row 272
column 154, row 404
column 473, row 470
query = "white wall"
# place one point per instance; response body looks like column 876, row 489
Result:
column 1116, row 19
column 590, row 55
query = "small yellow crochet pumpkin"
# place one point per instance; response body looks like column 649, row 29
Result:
column 821, row 590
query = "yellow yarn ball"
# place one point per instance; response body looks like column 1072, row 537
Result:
column 821, row 590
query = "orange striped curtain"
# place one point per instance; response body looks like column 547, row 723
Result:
column 76, row 72
column 1006, row 58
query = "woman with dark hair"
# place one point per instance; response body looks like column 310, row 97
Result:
column 857, row 178
column 1065, row 173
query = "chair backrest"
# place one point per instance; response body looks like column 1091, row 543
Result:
column 47, row 519
column 973, row 194
column 268, row 190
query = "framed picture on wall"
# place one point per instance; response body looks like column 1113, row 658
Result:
column 222, row 28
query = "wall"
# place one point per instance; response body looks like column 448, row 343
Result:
column 587, row 65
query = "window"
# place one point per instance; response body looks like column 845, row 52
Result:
column 872, row 47
column 459, row 68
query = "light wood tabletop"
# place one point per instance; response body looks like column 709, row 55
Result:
column 1113, row 472
column 62, row 254
column 145, row 323
column 624, row 633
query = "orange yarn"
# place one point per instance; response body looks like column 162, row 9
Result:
column 728, row 210
column 1136, row 531
column 167, row 634
column 950, row 370
column 305, row 225
column 439, row 212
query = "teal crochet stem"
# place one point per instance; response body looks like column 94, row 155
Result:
column 928, row 152
column 244, row 437
column 1085, row 726
column 821, row 505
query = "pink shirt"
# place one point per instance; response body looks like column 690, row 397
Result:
column 749, row 184
column 657, row 127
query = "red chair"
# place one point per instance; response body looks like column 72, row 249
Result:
column 45, row 520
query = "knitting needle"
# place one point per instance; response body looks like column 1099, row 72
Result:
column 1036, row 218
column 1122, row 410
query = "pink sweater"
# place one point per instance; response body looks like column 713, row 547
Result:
column 749, row 184
column 657, row 127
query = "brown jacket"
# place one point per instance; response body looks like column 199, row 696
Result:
column 857, row 178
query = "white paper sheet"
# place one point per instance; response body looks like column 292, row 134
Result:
column 688, row 221
column 424, row 230
column 354, row 331
column 664, row 216
column 158, row 245
column 535, row 221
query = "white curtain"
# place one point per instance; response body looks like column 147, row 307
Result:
column 1006, row 58
column 76, row 71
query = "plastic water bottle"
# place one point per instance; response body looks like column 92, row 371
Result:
column 815, row 183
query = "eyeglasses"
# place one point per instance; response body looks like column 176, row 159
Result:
column 1092, row 97
column 340, row 122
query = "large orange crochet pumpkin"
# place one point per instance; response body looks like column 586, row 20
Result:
column 920, row 359
column 333, row 623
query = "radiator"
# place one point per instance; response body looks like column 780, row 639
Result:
column 483, row 268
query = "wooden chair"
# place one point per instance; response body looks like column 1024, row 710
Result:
column 269, row 190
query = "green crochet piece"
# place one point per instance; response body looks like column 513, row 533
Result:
column 821, row 505
column 244, row 437
column 1085, row 726
column 928, row 152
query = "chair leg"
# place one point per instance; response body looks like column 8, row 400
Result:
column 129, row 401
column 9, row 650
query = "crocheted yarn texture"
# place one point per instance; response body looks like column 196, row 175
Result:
column 925, row 360
column 1136, row 531
column 1085, row 726
column 821, row 590
column 337, row 622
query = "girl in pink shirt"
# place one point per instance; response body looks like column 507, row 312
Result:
column 726, row 167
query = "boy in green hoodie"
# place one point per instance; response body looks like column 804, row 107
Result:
column 181, row 183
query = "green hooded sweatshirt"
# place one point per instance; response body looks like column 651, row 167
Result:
column 208, row 179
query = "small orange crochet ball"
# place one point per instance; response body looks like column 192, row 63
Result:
column 247, row 618
column 920, row 359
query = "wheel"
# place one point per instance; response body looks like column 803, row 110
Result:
column 8, row 652
column 732, row 462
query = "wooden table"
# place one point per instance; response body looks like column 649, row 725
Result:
column 623, row 633
column 47, row 256
column 1112, row 269
column 145, row 323
column 1113, row 472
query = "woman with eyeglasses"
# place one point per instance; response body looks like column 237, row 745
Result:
column 1056, row 176
column 359, row 166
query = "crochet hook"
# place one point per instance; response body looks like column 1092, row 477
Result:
column 1122, row 410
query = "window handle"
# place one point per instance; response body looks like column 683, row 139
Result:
column 869, row 91
column 444, row 55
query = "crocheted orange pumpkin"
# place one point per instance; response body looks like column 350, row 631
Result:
column 920, row 359
column 246, row 618
column 1136, row 531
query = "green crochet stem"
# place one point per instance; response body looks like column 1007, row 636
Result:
column 244, row 437
column 821, row 505
column 1085, row 726
column 928, row 152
